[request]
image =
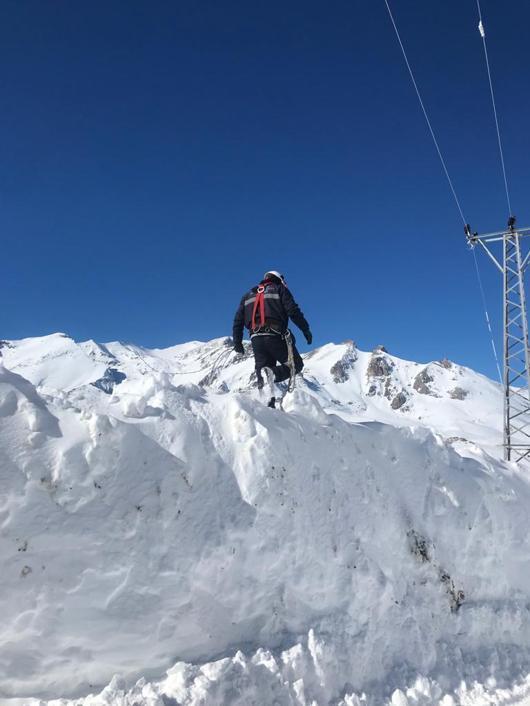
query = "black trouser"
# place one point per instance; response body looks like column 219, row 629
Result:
column 271, row 349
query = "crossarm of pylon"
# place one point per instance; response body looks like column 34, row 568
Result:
column 491, row 255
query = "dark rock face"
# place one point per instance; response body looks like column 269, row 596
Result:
column 379, row 367
column 341, row 369
column 422, row 383
column 458, row 393
column 399, row 400
column 423, row 549
column 455, row 439
column 445, row 363
column 340, row 372
column 5, row 344
column 110, row 379
column 379, row 372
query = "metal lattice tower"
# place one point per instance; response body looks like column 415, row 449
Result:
column 516, row 373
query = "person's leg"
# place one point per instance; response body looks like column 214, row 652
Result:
column 282, row 372
column 262, row 356
column 278, row 350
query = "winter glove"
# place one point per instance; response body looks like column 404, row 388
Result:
column 308, row 337
column 238, row 347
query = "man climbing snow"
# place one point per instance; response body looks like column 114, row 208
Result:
column 265, row 311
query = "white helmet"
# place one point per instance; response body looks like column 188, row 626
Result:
column 275, row 273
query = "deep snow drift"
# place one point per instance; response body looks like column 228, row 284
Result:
column 154, row 511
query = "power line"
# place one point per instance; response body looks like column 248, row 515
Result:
column 501, row 152
column 425, row 113
column 481, row 287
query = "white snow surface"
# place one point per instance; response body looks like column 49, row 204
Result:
column 367, row 545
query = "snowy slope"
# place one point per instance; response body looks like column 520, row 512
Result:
column 154, row 511
column 447, row 398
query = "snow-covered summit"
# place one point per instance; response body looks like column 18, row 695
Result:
column 154, row 510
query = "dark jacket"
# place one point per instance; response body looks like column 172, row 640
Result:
column 280, row 306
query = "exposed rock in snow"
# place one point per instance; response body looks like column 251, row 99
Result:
column 379, row 367
column 422, row 383
column 383, row 382
column 340, row 548
column 399, row 400
column 340, row 370
column 458, row 393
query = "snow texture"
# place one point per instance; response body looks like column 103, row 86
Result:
column 330, row 553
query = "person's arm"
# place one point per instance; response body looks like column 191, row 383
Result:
column 294, row 312
column 238, row 327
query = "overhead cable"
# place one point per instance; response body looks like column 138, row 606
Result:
column 481, row 287
column 501, row 152
column 442, row 160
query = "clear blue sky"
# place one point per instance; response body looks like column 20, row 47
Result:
column 157, row 157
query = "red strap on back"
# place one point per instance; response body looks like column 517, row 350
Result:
column 260, row 301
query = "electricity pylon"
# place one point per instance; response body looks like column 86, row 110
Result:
column 516, row 373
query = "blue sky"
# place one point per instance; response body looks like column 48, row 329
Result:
column 157, row 157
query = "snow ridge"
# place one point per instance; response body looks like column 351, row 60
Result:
column 160, row 511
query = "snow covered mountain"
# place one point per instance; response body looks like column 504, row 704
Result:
column 154, row 511
column 451, row 400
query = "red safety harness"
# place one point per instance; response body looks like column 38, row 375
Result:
column 259, row 302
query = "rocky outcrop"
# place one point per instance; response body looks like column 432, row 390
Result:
column 458, row 393
column 399, row 400
column 341, row 369
column 457, row 439
column 379, row 366
column 379, row 373
column 422, row 383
